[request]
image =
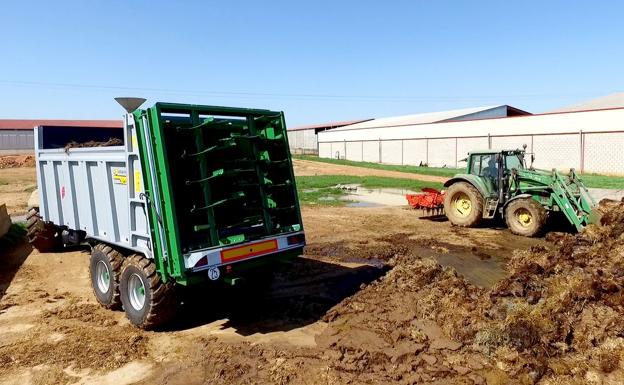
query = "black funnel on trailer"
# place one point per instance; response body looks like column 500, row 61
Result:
column 130, row 104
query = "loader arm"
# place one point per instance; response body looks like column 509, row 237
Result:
column 567, row 192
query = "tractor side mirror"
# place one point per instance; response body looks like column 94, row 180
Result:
column 532, row 159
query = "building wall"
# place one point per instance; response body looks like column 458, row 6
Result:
column 588, row 141
column 303, row 141
column 16, row 140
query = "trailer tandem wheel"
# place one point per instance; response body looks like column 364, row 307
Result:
column 104, row 270
column 147, row 301
column 43, row 236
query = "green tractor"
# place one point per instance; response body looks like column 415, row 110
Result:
column 500, row 183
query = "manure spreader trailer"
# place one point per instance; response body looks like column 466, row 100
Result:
column 182, row 194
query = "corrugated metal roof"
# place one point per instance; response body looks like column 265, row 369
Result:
column 29, row 124
column 604, row 102
column 602, row 120
column 424, row 118
column 328, row 125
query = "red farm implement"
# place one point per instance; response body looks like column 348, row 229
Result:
column 430, row 201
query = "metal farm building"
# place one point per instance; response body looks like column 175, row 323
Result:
column 304, row 139
column 588, row 140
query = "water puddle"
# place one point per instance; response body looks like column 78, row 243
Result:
column 363, row 204
column 479, row 268
column 367, row 197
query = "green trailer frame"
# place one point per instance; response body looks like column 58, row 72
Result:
column 261, row 144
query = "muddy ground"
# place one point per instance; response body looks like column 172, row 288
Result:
column 380, row 296
column 52, row 331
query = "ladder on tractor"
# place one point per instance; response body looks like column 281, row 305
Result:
column 489, row 209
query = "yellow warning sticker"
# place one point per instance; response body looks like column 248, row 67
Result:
column 119, row 176
column 137, row 181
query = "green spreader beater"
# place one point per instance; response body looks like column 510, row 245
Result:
column 194, row 193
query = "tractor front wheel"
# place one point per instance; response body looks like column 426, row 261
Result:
column 147, row 301
column 525, row 217
column 463, row 205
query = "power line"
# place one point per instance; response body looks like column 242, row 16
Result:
column 53, row 85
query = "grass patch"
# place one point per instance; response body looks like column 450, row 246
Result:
column 437, row 171
column 326, row 196
column 603, row 181
column 319, row 189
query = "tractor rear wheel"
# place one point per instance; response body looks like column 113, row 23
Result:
column 43, row 236
column 104, row 269
column 147, row 300
column 463, row 205
column 525, row 217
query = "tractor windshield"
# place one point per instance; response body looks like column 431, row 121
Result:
column 514, row 161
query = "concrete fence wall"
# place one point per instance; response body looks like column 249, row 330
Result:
column 591, row 152
column 16, row 140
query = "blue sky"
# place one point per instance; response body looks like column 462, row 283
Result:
column 316, row 60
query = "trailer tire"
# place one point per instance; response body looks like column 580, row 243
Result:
column 104, row 270
column 43, row 236
column 147, row 301
column 525, row 217
column 463, row 205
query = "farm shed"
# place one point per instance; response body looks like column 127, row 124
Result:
column 304, row 139
column 588, row 140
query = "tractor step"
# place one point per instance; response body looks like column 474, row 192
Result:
column 490, row 208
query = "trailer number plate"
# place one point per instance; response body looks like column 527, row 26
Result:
column 214, row 273
column 248, row 251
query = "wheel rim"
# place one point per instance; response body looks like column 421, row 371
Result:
column 102, row 275
column 136, row 292
column 524, row 217
column 461, row 204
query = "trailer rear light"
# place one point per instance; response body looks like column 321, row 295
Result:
column 296, row 239
column 247, row 251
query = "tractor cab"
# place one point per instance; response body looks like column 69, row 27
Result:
column 495, row 167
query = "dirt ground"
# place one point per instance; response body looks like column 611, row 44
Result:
column 12, row 161
column 380, row 296
column 16, row 185
column 52, row 331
